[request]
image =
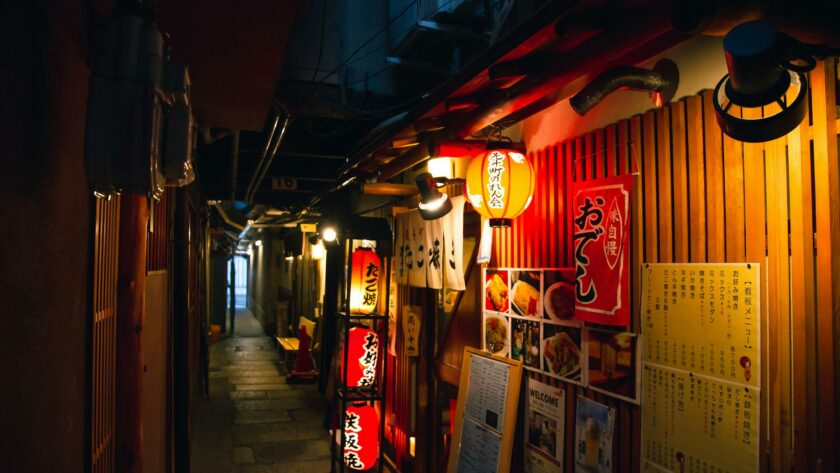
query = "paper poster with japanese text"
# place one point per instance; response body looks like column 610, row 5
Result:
column 545, row 425
column 594, row 425
column 693, row 423
column 601, row 226
column 703, row 318
column 701, row 367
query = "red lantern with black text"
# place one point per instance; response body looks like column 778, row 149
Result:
column 364, row 281
column 362, row 355
column 361, row 436
column 500, row 185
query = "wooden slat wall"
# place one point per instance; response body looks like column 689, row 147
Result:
column 103, row 339
column 157, row 254
column 702, row 197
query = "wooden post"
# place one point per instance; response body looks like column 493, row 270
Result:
column 131, row 277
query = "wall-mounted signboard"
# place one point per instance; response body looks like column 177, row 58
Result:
column 702, row 365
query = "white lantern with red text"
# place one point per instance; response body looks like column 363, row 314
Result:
column 364, row 281
column 361, row 436
column 500, row 184
column 362, row 355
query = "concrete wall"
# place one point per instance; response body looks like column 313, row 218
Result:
column 46, row 214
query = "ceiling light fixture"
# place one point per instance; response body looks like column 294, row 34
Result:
column 433, row 203
column 766, row 69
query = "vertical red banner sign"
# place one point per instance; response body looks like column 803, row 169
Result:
column 601, row 226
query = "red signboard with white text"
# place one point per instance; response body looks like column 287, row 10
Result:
column 601, row 226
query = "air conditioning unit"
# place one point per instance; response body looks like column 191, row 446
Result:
column 139, row 121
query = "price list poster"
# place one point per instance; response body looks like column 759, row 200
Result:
column 701, row 367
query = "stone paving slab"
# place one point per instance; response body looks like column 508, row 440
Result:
column 263, row 387
column 261, row 417
column 243, row 455
column 292, row 451
column 321, row 466
column 270, row 404
column 240, row 395
column 263, row 433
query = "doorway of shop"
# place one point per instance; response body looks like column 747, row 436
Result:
column 238, row 278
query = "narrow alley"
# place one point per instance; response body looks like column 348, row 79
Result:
column 253, row 421
column 420, row 236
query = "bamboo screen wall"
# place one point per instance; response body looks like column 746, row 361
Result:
column 702, row 197
column 103, row 336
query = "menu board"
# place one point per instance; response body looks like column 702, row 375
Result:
column 529, row 316
column 485, row 419
column 692, row 422
column 703, row 318
column 701, row 367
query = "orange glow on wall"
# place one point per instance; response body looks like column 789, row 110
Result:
column 500, row 185
column 361, row 431
column 364, row 281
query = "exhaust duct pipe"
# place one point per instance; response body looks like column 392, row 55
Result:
column 662, row 80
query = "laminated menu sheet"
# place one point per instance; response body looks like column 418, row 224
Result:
column 485, row 419
column 701, row 375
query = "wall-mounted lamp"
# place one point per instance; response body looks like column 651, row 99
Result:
column 433, row 203
column 765, row 67
column 440, row 167
column 318, row 251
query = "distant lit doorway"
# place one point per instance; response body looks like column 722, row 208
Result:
column 240, row 281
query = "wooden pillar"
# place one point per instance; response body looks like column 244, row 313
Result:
column 131, row 277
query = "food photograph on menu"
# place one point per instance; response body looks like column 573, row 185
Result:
column 559, row 294
column 525, row 292
column 562, row 351
column 496, row 290
column 525, row 342
column 613, row 363
column 496, row 330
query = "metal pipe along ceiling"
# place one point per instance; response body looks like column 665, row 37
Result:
column 266, row 159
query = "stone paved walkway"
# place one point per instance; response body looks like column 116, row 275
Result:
column 254, row 422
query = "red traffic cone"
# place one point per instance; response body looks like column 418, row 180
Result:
column 304, row 371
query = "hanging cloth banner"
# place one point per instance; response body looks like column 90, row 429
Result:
column 453, row 232
column 435, row 256
column 601, row 225
column 402, row 248
column 416, row 256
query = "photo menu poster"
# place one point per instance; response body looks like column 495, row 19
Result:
column 701, row 367
column 529, row 316
column 545, row 425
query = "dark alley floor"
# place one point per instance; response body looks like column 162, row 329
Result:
column 254, row 422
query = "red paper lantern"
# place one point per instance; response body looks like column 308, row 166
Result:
column 363, row 352
column 500, row 184
column 364, row 281
column 361, row 436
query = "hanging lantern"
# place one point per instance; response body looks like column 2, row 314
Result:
column 362, row 354
column 364, row 281
column 500, row 184
column 361, row 436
